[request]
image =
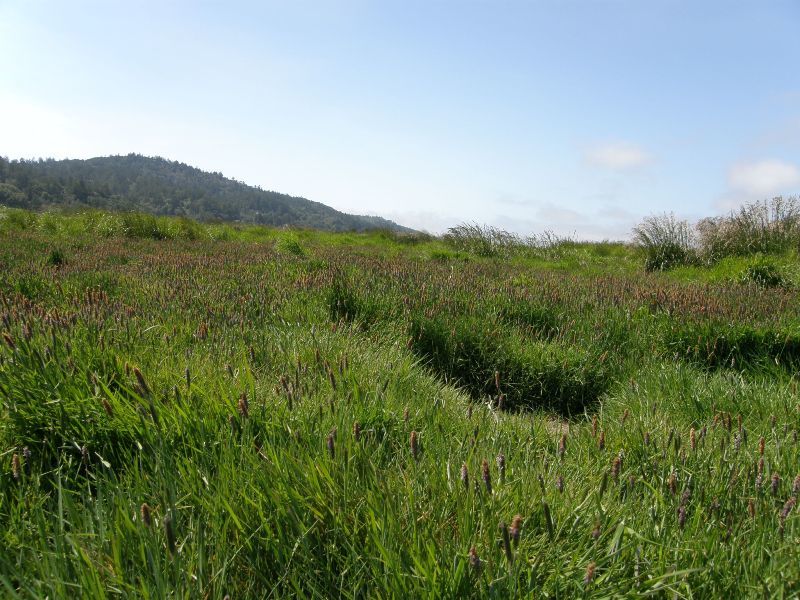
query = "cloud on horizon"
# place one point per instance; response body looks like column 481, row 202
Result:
column 764, row 177
column 618, row 156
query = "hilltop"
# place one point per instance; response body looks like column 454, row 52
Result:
column 158, row 186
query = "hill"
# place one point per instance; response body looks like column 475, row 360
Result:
column 162, row 187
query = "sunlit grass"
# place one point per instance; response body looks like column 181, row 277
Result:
column 233, row 413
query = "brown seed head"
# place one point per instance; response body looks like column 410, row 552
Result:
column 143, row 387
column 761, row 446
column 616, row 466
column 787, row 508
column 356, row 431
column 796, row 486
column 331, row 445
column 751, row 508
column 486, row 475
column 465, row 476
column 775, row 483
column 474, row 560
column 506, row 543
column 682, row 517
column 672, row 483
column 147, row 517
column 414, row 444
column 601, row 443
column 107, row 407
column 244, row 406
column 16, row 468
column 589, row 576
column 516, row 528
column 9, row 341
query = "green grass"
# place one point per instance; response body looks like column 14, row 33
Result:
column 258, row 390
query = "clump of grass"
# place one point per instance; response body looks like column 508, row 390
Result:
column 482, row 240
column 289, row 243
column 766, row 227
column 742, row 347
column 56, row 258
column 667, row 242
column 763, row 273
column 535, row 374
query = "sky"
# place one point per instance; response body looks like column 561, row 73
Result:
column 579, row 117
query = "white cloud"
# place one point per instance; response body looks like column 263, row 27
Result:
column 618, row 156
column 764, row 177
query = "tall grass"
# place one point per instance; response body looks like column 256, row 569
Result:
column 211, row 417
column 667, row 242
column 767, row 227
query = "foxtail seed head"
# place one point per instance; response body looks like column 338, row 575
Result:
column 506, row 543
column 475, row 562
column 147, row 517
column 516, row 529
column 486, row 475
column 16, row 468
column 244, row 406
column 589, row 576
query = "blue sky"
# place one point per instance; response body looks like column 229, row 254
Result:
column 574, row 116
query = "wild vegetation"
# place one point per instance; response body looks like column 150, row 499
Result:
column 198, row 410
column 760, row 229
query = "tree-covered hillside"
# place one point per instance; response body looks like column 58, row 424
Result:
column 163, row 187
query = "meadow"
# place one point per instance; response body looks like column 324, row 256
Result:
column 210, row 411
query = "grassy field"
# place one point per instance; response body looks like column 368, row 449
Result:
column 263, row 413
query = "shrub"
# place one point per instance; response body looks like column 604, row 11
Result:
column 667, row 242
